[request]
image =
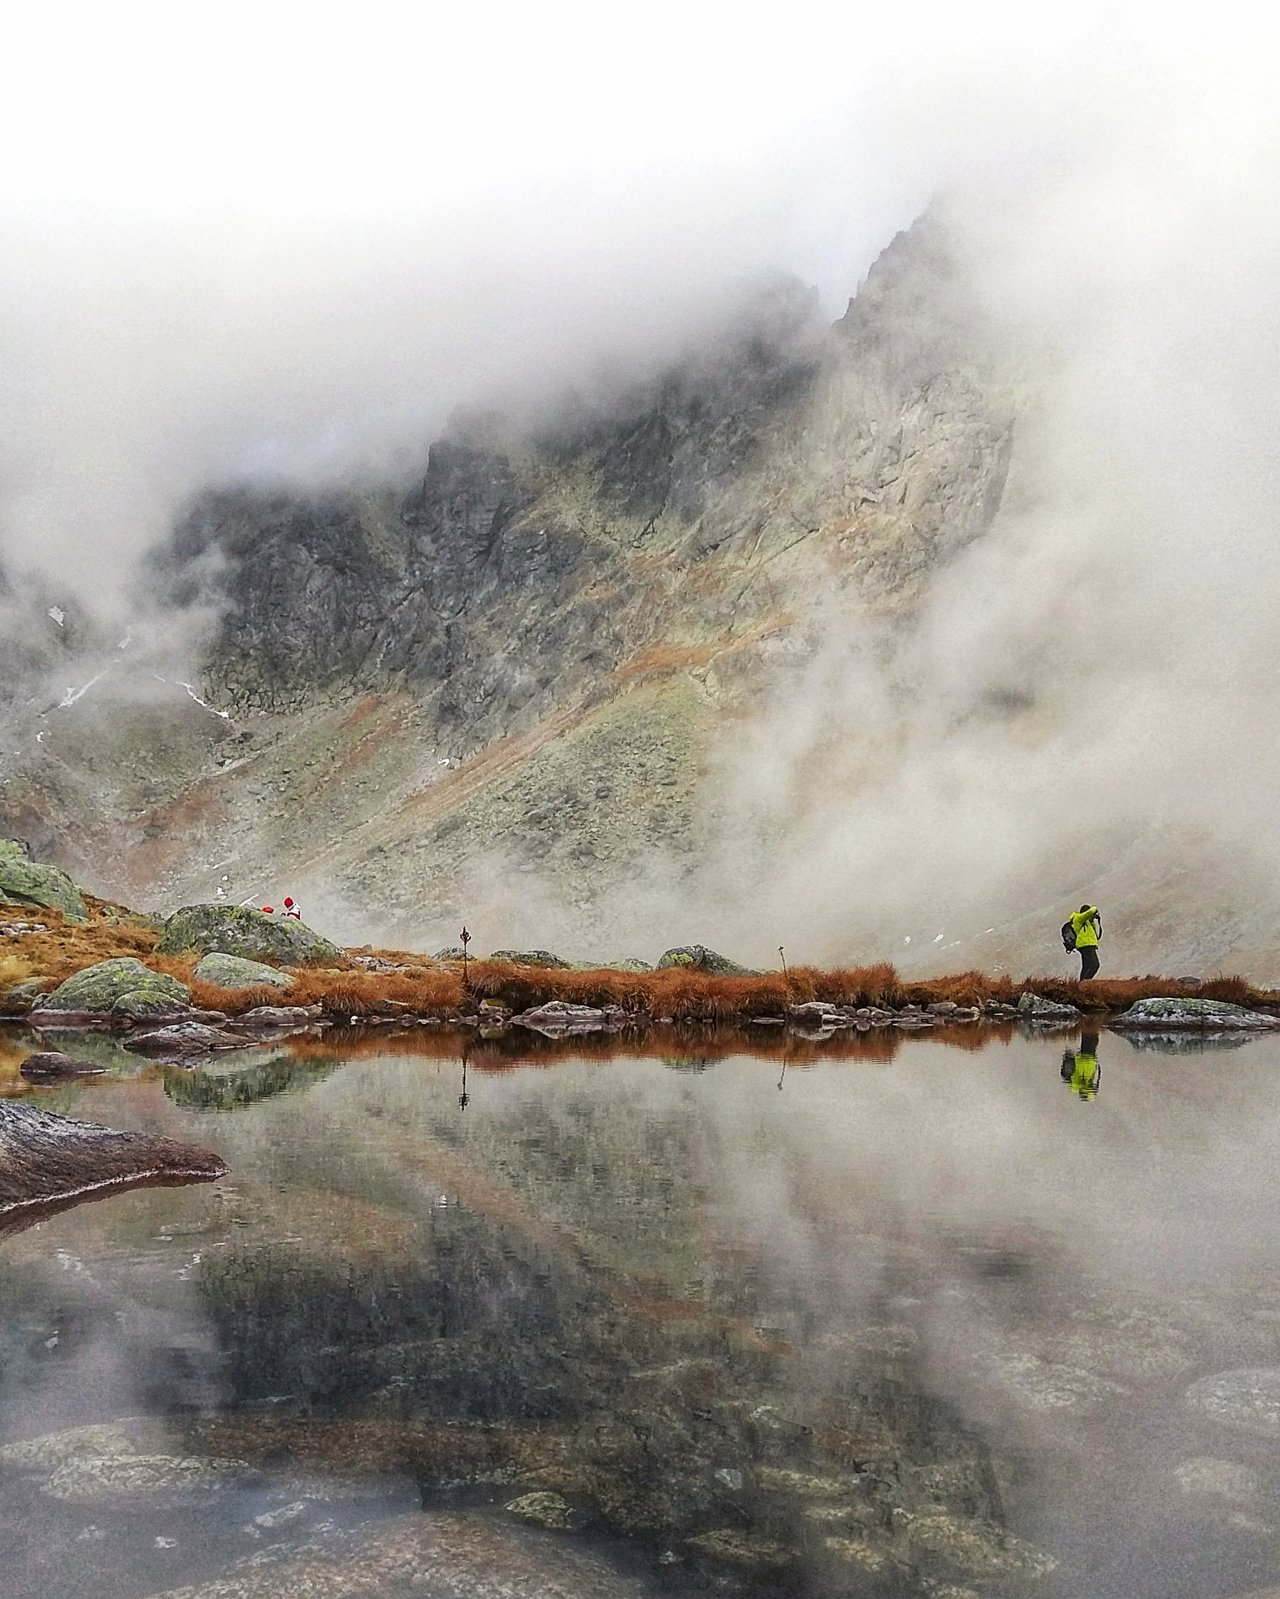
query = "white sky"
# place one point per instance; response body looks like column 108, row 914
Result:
column 292, row 237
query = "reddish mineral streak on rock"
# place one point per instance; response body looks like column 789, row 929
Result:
column 49, row 1162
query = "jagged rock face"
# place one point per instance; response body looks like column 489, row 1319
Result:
column 522, row 661
column 520, row 569
column 523, row 568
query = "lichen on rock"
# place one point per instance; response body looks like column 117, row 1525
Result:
column 700, row 958
column 240, row 930
column 27, row 882
column 234, row 971
column 1211, row 1014
column 123, row 987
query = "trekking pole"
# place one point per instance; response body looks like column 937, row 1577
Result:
column 784, row 960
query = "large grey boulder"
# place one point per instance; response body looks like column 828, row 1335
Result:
column 697, row 957
column 239, row 930
column 531, row 957
column 1215, row 1015
column 233, row 971
column 124, row 988
column 26, row 882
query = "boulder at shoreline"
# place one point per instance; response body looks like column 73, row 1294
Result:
column 1214, row 1015
column 240, row 930
column 123, row 988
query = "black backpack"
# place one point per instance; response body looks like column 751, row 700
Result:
column 1068, row 936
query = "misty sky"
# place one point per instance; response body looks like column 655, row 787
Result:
column 277, row 241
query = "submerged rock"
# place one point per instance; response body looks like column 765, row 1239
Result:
column 47, row 1160
column 51, row 1065
column 27, row 882
column 239, row 930
column 1206, row 1477
column 185, row 1038
column 172, row 1479
column 702, row 959
column 446, row 1556
column 234, row 971
column 1247, row 1399
column 1211, row 1014
column 124, row 988
column 558, row 1017
column 543, row 1510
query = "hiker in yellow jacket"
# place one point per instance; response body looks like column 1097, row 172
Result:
column 1086, row 924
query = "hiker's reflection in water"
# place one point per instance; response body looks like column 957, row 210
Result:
column 1080, row 1069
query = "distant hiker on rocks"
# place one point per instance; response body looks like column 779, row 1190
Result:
column 1082, row 931
column 290, row 909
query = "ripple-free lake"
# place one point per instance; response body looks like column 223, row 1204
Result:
column 919, row 1318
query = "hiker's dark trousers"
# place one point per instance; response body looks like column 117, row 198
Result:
column 1088, row 961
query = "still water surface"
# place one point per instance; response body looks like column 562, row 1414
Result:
column 920, row 1320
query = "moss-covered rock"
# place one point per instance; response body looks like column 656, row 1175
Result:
column 1210, row 1014
column 26, row 882
column 234, row 971
column 123, row 987
column 699, row 958
column 239, row 930
column 531, row 957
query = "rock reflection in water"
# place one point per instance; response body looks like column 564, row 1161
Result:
column 925, row 1329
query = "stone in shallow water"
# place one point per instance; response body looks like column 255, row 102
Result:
column 437, row 1556
column 543, row 1510
column 54, row 1450
column 1247, row 1399
column 1037, row 1009
column 169, row 1478
column 978, row 1548
column 1205, row 1477
column 50, row 1065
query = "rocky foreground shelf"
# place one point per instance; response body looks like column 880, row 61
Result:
column 47, row 1161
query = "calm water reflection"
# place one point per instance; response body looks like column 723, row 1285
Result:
column 923, row 1320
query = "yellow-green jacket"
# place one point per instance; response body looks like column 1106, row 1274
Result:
column 1082, row 922
column 1084, row 1079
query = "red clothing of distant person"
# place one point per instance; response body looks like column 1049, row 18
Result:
column 290, row 909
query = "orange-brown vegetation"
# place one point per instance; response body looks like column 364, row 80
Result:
column 62, row 947
column 424, row 991
column 419, row 986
